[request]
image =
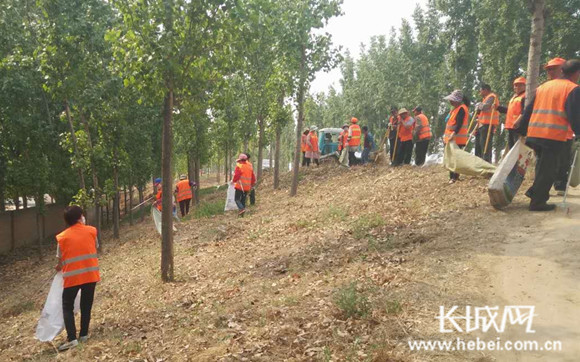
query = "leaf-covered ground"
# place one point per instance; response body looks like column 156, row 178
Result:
column 351, row 269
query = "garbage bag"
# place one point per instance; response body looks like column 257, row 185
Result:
column 51, row 321
column 434, row 159
column 156, row 216
column 575, row 177
column 464, row 163
column 510, row 173
column 231, row 199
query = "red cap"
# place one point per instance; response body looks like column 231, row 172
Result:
column 520, row 80
column 556, row 62
column 353, row 120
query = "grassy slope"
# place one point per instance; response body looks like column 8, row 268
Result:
column 349, row 270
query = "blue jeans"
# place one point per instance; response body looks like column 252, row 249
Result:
column 240, row 199
column 365, row 155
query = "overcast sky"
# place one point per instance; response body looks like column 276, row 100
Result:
column 361, row 20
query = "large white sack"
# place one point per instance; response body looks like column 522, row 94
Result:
column 434, row 159
column 156, row 216
column 575, row 177
column 464, row 163
column 509, row 175
column 51, row 321
column 231, row 199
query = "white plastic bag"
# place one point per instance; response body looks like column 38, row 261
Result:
column 231, row 199
column 509, row 175
column 434, row 159
column 156, row 215
column 51, row 321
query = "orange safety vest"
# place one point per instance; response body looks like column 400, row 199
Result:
column 303, row 143
column 307, row 147
column 549, row 119
column 514, row 110
column 354, row 130
column 159, row 198
column 245, row 181
column 314, row 141
column 485, row 117
column 78, row 250
column 461, row 137
column 183, row 190
column 342, row 140
column 425, row 131
column 406, row 134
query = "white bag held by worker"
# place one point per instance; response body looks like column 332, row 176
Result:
column 510, row 173
column 51, row 321
column 156, row 216
column 464, row 163
column 231, row 199
column 575, row 177
column 434, row 159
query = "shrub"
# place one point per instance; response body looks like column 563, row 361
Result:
column 351, row 302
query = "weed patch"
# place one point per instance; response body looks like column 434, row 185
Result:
column 366, row 223
column 208, row 209
column 351, row 302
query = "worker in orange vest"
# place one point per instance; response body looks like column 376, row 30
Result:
column 343, row 146
column 488, row 116
column 184, row 194
column 313, row 153
column 159, row 196
column 303, row 146
column 354, row 135
column 77, row 253
column 404, row 150
column 456, row 124
column 514, row 109
column 547, row 120
column 252, row 194
column 423, row 135
column 393, row 125
column 243, row 181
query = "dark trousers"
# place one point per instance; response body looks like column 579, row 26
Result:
column 352, row 159
column 184, row 207
column 404, row 153
column 480, row 140
column 241, row 199
column 304, row 159
column 68, row 301
column 512, row 138
column 453, row 175
column 564, row 164
column 308, row 160
column 252, row 197
column 546, row 168
column 392, row 147
column 421, row 151
column 365, row 155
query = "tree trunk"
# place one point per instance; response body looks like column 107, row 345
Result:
column 24, row 202
column 535, row 50
column 277, row 157
column 107, row 207
column 271, row 155
column 217, row 172
column 197, row 170
column 299, row 123
column 97, row 191
column 131, row 205
column 125, row 200
column 2, row 183
column 141, row 199
column 260, row 146
column 75, row 144
column 39, row 201
column 117, row 196
column 16, row 203
column 167, row 187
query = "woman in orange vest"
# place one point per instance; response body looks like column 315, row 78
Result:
column 423, row 134
column 354, row 135
column 393, row 125
column 343, row 146
column 77, row 253
column 456, row 124
column 303, row 146
column 313, row 153
column 488, row 116
column 244, row 179
column 159, row 196
column 184, row 194
column 405, row 143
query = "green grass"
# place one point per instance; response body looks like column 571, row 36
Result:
column 364, row 224
column 336, row 213
column 351, row 302
column 393, row 307
column 208, row 209
column 211, row 190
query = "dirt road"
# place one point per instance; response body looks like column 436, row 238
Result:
column 538, row 265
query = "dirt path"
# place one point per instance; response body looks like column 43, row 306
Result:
column 538, row 265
